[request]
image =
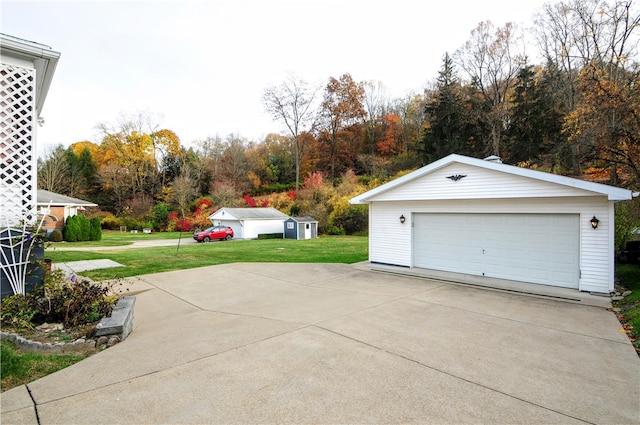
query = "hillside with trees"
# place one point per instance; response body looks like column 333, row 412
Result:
column 576, row 113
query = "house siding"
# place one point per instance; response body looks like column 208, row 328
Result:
column 390, row 242
column 478, row 183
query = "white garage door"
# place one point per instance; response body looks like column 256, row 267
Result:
column 536, row 248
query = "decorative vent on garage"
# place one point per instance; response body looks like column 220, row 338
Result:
column 457, row 177
column 17, row 150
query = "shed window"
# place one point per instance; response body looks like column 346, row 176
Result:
column 290, row 225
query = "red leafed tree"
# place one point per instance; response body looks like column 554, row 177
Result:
column 388, row 146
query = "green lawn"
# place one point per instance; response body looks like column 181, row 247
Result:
column 115, row 238
column 19, row 367
column 325, row 249
column 628, row 276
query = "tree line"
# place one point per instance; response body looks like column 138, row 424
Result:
column 577, row 112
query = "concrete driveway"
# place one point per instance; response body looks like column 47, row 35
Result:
column 335, row 343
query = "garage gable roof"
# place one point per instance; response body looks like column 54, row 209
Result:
column 612, row 193
column 267, row 213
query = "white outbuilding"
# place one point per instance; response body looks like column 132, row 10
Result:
column 485, row 219
column 248, row 223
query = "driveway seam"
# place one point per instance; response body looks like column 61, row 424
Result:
column 521, row 322
column 451, row 374
column 177, row 365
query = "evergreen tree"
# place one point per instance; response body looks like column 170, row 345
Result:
column 445, row 132
column 536, row 120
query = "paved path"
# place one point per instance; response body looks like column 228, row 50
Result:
column 334, row 344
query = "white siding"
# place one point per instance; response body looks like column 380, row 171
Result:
column 390, row 242
column 253, row 228
column 478, row 183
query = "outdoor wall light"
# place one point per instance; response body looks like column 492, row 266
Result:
column 402, row 219
column 594, row 222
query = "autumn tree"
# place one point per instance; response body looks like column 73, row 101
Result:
column 492, row 60
column 609, row 114
column 587, row 33
column 410, row 111
column 341, row 117
column 291, row 103
column 166, row 148
column 133, row 155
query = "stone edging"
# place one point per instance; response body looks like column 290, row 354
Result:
column 60, row 347
column 109, row 331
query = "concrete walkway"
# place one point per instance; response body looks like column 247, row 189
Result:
column 335, row 343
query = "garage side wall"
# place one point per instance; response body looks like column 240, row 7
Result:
column 390, row 242
column 253, row 228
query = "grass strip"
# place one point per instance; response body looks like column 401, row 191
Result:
column 325, row 249
column 19, row 367
column 628, row 276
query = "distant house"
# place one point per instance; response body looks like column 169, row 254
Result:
column 300, row 228
column 248, row 223
column 26, row 72
column 57, row 208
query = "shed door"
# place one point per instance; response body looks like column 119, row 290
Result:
column 535, row 248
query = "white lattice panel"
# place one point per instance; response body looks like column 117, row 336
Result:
column 17, row 144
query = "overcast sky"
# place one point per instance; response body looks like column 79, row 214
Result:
column 200, row 68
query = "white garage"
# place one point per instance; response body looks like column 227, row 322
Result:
column 250, row 223
column 483, row 218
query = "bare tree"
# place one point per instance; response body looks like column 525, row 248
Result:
column 183, row 190
column 492, row 59
column 53, row 170
column 376, row 103
column 291, row 103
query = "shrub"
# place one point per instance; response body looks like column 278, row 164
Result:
column 78, row 228
column 159, row 216
column 18, row 311
column 55, row 236
column 72, row 231
column 353, row 220
column 109, row 221
column 270, row 236
column 200, row 221
column 85, row 227
column 95, row 229
column 71, row 302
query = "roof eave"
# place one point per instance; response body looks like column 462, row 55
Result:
column 612, row 193
column 45, row 61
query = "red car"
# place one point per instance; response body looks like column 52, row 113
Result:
column 215, row 232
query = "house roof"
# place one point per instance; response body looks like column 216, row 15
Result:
column 612, row 193
column 259, row 213
column 304, row 219
column 43, row 58
column 45, row 197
